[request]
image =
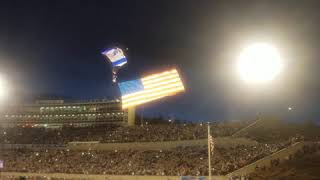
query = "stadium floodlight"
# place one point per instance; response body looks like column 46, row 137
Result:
column 150, row 88
column 3, row 88
column 259, row 63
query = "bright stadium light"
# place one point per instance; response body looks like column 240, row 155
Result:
column 290, row 108
column 259, row 63
column 3, row 88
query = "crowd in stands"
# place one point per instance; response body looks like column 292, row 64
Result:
column 274, row 130
column 111, row 134
column 174, row 162
column 304, row 164
column 179, row 161
column 264, row 131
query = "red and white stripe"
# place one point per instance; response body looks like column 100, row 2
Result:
column 156, row 86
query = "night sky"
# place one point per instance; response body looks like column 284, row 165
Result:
column 54, row 48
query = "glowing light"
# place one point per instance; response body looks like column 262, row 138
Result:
column 150, row 88
column 3, row 88
column 150, row 97
column 259, row 63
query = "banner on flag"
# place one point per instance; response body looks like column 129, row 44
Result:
column 150, row 88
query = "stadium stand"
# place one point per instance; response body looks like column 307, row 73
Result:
column 112, row 133
column 304, row 164
column 178, row 161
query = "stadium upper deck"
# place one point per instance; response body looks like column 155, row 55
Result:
column 58, row 113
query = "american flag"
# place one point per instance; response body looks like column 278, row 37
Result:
column 150, row 88
column 211, row 143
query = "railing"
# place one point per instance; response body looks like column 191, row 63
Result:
column 95, row 177
column 162, row 145
column 31, row 146
column 159, row 145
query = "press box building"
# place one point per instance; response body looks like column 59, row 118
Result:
column 58, row 113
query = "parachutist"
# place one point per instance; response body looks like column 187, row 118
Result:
column 117, row 59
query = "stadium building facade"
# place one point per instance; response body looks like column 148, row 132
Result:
column 58, row 113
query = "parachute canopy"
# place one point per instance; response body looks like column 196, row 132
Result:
column 116, row 57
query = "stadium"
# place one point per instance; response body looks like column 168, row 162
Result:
column 183, row 90
column 155, row 150
column 58, row 113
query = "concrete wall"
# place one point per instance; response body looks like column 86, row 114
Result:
column 221, row 142
column 97, row 177
column 34, row 147
column 281, row 155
